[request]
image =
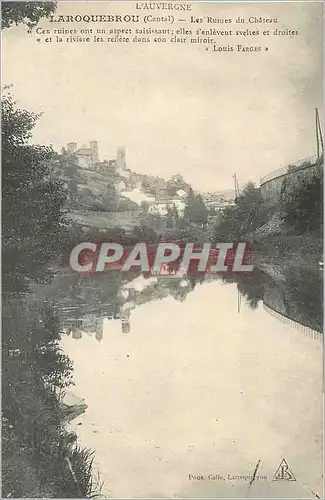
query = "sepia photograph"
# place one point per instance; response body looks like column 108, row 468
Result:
column 162, row 249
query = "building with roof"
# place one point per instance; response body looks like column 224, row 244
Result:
column 76, row 334
column 163, row 205
column 86, row 156
column 219, row 205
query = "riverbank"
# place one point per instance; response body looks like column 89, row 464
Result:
column 305, row 250
column 40, row 457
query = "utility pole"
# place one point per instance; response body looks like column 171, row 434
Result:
column 238, row 300
column 319, row 136
column 236, row 187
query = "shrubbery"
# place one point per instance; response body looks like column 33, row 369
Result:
column 302, row 208
column 38, row 454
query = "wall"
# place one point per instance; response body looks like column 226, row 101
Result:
column 293, row 175
column 106, row 220
column 281, row 299
column 84, row 161
column 161, row 208
column 297, row 326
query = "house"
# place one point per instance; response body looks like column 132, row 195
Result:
column 218, row 205
column 76, row 334
column 125, row 321
column 162, row 206
column 181, row 193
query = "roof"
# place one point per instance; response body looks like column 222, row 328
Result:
column 170, row 200
column 84, row 152
column 181, row 193
column 162, row 198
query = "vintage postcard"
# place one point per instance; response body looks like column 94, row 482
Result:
column 162, row 187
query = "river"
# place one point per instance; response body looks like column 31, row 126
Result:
column 192, row 385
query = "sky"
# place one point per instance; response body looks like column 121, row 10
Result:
column 177, row 108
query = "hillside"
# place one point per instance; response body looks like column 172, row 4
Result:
column 109, row 186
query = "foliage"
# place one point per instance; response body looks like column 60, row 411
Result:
column 34, row 439
column 299, row 294
column 156, row 186
column 186, row 234
column 99, row 195
column 152, row 185
column 37, row 340
column 305, row 296
column 100, row 292
column 125, row 205
column 144, row 233
column 154, row 221
column 65, row 166
column 140, row 233
column 172, row 217
column 108, row 201
column 34, row 369
column 28, row 13
column 293, row 248
column 175, row 183
column 34, row 224
column 249, row 213
column 195, row 211
column 302, row 207
column 250, row 286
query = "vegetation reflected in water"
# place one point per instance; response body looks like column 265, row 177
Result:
column 85, row 301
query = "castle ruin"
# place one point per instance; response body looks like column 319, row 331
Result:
column 87, row 156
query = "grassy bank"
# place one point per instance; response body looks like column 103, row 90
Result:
column 40, row 458
column 304, row 250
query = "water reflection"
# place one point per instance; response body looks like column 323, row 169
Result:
column 288, row 294
column 199, row 361
column 85, row 302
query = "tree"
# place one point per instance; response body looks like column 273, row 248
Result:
column 125, row 204
column 241, row 220
column 144, row 233
column 111, row 200
column 175, row 183
column 172, row 217
column 169, row 218
column 195, row 211
column 147, row 187
column 251, row 209
column 154, row 221
column 302, row 207
column 28, row 13
column 65, row 166
column 304, row 294
column 34, row 224
column 251, row 286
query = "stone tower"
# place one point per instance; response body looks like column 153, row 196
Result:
column 94, row 151
column 72, row 147
column 125, row 321
column 120, row 158
column 126, row 327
